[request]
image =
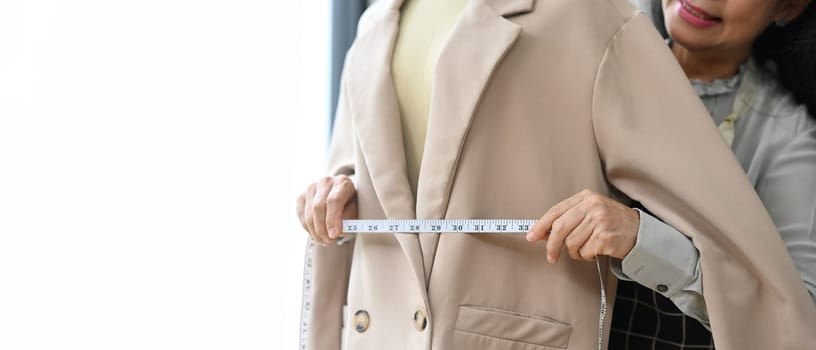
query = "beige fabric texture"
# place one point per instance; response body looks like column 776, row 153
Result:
column 534, row 101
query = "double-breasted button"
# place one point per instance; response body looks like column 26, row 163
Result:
column 662, row 288
column 420, row 319
column 361, row 321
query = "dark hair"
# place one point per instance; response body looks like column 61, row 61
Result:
column 792, row 48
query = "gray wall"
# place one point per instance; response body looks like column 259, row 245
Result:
column 345, row 14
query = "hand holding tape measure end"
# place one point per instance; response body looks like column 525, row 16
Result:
column 322, row 206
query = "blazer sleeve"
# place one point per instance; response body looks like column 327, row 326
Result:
column 327, row 269
column 659, row 147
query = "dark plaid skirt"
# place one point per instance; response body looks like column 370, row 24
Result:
column 644, row 319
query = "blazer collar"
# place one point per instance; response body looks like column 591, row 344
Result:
column 476, row 46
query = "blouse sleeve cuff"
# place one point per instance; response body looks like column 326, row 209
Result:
column 663, row 259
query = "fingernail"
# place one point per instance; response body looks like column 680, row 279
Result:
column 332, row 232
column 550, row 259
column 529, row 236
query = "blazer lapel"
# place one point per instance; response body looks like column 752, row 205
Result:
column 476, row 46
column 377, row 123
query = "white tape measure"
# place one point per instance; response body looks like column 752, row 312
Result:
column 470, row 226
column 438, row 226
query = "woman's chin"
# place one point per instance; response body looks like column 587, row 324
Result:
column 689, row 39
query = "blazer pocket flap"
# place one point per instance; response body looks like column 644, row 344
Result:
column 513, row 326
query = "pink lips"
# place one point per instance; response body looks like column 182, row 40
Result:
column 695, row 15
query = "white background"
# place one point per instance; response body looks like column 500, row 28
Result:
column 150, row 156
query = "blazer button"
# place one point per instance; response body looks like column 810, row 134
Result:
column 420, row 319
column 662, row 288
column 361, row 321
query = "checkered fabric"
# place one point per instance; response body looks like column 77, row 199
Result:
column 644, row 319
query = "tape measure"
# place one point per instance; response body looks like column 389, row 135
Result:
column 439, row 226
column 470, row 226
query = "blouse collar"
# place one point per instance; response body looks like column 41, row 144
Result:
column 719, row 86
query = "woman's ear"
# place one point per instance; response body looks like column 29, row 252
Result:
column 791, row 9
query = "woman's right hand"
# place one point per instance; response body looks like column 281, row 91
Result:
column 323, row 206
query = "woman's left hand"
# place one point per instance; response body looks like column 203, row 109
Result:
column 589, row 224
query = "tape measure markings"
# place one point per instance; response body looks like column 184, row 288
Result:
column 438, row 226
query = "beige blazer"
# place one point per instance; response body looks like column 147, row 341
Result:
column 533, row 102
